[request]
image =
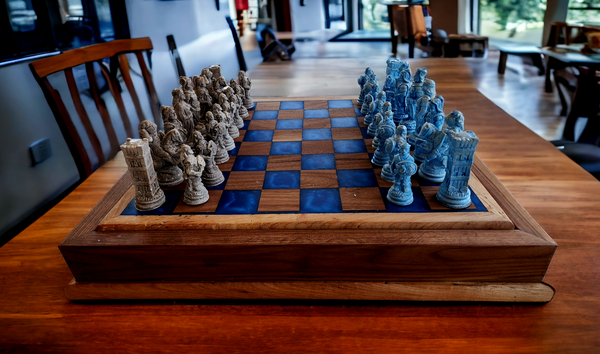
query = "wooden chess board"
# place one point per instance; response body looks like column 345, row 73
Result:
column 302, row 214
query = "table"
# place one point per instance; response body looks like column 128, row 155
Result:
column 562, row 197
column 585, row 99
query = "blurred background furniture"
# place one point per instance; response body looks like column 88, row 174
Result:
column 466, row 45
column 407, row 20
column 522, row 50
column 93, row 57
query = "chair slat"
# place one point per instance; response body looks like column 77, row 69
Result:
column 101, row 106
column 113, row 85
column 65, row 123
column 154, row 103
column 83, row 116
column 124, row 66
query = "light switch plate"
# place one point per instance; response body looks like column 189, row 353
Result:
column 40, row 150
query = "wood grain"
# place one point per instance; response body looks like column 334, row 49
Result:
column 36, row 316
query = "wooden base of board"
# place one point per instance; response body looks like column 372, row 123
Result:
column 312, row 290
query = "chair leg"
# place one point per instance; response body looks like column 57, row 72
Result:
column 502, row 63
column 548, row 83
column 563, row 101
column 538, row 63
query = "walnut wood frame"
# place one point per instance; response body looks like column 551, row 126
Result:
column 436, row 265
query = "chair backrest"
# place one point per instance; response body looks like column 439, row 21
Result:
column 116, row 51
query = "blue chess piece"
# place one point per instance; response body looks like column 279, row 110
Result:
column 455, row 122
column 362, row 81
column 403, row 168
column 454, row 192
column 384, row 133
column 376, row 107
column 389, row 88
column 375, row 125
column 387, row 119
column 421, row 107
column 435, row 112
column 367, row 101
column 392, row 147
column 432, row 151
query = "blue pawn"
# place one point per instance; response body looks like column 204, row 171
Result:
column 384, row 133
column 375, row 124
column 364, row 109
column 392, row 147
column 362, row 81
column 388, row 119
column 403, row 168
column 375, row 108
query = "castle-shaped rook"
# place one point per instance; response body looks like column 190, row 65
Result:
column 454, row 191
column 148, row 195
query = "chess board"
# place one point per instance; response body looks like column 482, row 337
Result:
column 302, row 203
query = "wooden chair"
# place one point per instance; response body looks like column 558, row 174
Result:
column 116, row 51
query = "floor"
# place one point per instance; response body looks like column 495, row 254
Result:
column 520, row 91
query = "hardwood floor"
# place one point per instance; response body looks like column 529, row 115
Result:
column 519, row 92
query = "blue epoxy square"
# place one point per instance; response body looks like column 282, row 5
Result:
column 282, row 180
column 419, row 204
column 363, row 130
column 316, row 134
column 349, row 122
column 286, row 148
column 171, row 199
column 259, row 135
column 326, row 200
column 349, row 146
column 340, row 104
column 291, row 105
column 222, row 185
column 358, row 114
column 246, row 124
column 289, row 124
column 318, row 162
column 265, row 115
column 250, row 163
column 357, row 178
column 238, row 202
column 316, row 113
column 253, row 107
column 235, row 151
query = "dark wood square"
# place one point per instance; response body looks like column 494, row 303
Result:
column 361, row 199
column 267, row 124
column 346, row 133
column 209, row 207
column 267, row 106
column 279, row 200
column 291, row 114
column 317, row 147
column 255, row 148
column 226, row 166
column 288, row 135
column 352, row 161
column 318, row 179
column 369, row 144
column 316, row 105
column 429, row 192
column 361, row 122
column 342, row 112
column 250, row 114
column 240, row 138
column 284, row 163
column 317, row 123
column 241, row 180
column 382, row 183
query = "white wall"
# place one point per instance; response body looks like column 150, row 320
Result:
column 200, row 31
column 309, row 17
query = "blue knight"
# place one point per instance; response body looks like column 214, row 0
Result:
column 375, row 108
column 435, row 111
column 432, row 151
column 392, row 147
column 403, row 167
column 362, row 81
column 389, row 88
column 387, row 119
column 415, row 92
column 454, row 192
column 421, row 108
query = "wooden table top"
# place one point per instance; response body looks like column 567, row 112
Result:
column 562, row 197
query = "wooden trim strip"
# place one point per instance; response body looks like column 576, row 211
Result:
column 313, row 290
column 74, row 57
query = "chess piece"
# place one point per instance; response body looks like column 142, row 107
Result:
column 415, row 92
column 228, row 110
column 392, row 67
column 168, row 173
column 219, row 85
column 362, row 80
column 374, row 126
column 381, row 156
column 148, row 195
column 246, row 84
column 236, row 103
column 403, row 167
column 403, row 84
column 211, row 124
column 435, row 112
column 170, row 120
column 184, row 113
column 377, row 106
column 454, row 192
column 193, row 167
column 239, row 91
column 389, row 88
column 421, row 108
column 454, row 122
column 364, row 109
column 220, row 117
column 212, row 175
column 392, row 147
column 199, row 143
column 216, row 72
column 431, row 151
column 374, row 86
column 202, row 94
column 221, row 155
column 388, row 119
